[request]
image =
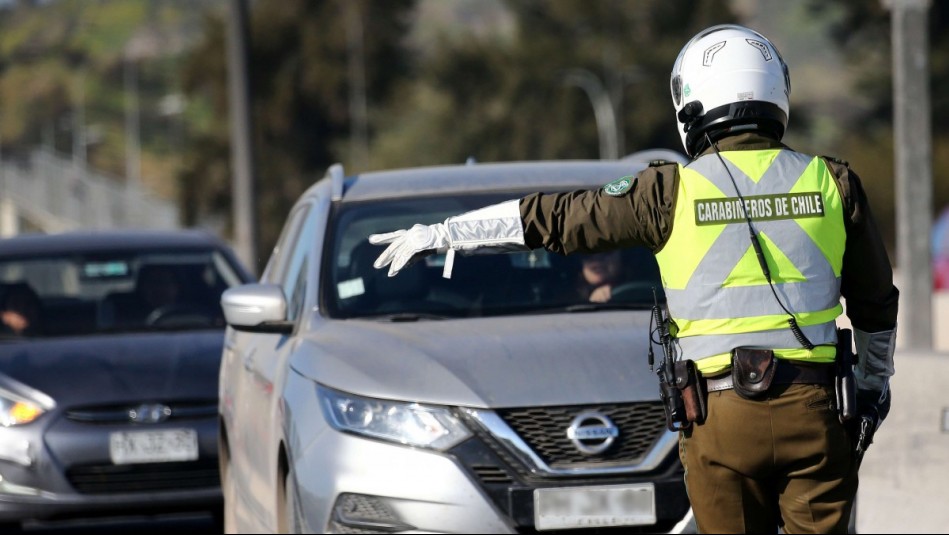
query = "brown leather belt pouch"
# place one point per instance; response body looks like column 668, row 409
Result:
column 753, row 371
column 692, row 387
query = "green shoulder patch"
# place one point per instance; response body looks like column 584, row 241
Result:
column 620, row 186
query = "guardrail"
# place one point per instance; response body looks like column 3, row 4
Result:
column 55, row 194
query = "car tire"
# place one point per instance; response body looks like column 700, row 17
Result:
column 289, row 521
column 229, row 490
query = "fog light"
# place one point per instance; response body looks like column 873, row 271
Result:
column 11, row 488
column 359, row 513
column 15, row 449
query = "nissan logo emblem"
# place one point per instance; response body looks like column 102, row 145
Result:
column 592, row 432
column 149, row 413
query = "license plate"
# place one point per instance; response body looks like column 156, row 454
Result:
column 583, row 507
column 166, row 446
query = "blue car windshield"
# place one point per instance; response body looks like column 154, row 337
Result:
column 121, row 291
column 480, row 285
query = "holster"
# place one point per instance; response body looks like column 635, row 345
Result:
column 753, row 371
column 692, row 388
column 845, row 383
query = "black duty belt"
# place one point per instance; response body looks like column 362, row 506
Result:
column 787, row 372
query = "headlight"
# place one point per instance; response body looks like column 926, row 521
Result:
column 20, row 404
column 405, row 423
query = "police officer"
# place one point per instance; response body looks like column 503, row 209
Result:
column 756, row 243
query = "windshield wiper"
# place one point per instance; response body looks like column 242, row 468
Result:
column 595, row 307
column 406, row 317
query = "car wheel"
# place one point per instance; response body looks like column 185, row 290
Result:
column 289, row 521
column 228, row 488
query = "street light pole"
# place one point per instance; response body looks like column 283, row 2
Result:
column 603, row 110
column 914, row 191
column 242, row 162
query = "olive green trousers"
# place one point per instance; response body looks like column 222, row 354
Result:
column 782, row 460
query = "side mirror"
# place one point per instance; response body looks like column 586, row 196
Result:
column 260, row 308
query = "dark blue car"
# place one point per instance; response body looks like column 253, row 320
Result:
column 110, row 347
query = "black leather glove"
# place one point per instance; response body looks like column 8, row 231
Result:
column 872, row 409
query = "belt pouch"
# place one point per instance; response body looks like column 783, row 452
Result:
column 752, row 371
column 692, row 388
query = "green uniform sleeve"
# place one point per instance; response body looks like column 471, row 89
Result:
column 593, row 220
column 867, row 274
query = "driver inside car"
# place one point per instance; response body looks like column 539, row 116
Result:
column 599, row 274
column 157, row 287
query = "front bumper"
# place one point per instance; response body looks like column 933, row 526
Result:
column 49, row 506
column 348, row 483
column 67, row 473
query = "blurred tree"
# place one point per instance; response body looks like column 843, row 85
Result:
column 68, row 59
column 300, row 90
column 862, row 29
column 505, row 95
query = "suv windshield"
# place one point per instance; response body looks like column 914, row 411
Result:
column 76, row 294
column 480, row 285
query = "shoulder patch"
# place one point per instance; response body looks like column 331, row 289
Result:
column 844, row 163
column 620, row 186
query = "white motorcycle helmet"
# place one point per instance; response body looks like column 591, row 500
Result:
column 729, row 78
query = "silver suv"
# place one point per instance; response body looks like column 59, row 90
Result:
column 500, row 400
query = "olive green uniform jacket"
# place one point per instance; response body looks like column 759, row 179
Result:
column 589, row 221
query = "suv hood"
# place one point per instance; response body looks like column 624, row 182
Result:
column 555, row 359
column 95, row 370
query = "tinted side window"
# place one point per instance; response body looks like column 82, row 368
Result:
column 295, row 279
column 276, row 264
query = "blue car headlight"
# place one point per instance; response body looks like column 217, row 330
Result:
column 410, row 424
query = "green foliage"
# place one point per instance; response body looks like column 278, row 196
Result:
column 499, row 97
column 864, row 33
column 300, row 90
column 445, row 80
column 67, row 59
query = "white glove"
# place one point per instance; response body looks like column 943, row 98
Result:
column 493, row 229
column 409, row 246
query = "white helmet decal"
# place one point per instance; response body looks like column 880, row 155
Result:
column 763, row 48
column 710, row 53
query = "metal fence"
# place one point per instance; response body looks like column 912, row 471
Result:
column 55, row 194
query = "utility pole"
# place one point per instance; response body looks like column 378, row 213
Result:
column 133, row 150
column 914, row 190
column 8, row 214
column 356, row 60
column 242, row 161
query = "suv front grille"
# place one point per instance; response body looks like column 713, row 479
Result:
column 544, row 429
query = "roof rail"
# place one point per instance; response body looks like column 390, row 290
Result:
column 336, row 176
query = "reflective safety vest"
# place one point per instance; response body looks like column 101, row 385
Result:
column 716, row 291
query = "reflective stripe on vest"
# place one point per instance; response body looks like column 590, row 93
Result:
column 716, row 291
